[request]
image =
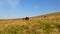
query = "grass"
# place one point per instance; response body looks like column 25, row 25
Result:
column 36, row 25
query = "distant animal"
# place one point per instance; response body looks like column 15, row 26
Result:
column 44, row 16
column 26, row 18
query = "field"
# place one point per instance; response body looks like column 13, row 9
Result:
column 44, row 24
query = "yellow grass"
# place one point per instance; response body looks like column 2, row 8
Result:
column 35, row 25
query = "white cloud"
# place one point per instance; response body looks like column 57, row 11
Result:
column 12, row 3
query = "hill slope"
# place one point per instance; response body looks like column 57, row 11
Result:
column 44, row 24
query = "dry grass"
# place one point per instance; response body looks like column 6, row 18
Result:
column 36, row 25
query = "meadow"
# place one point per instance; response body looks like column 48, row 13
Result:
column 35, row 25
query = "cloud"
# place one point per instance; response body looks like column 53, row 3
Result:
column 12, row 3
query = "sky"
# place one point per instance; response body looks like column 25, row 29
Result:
column 30, row 8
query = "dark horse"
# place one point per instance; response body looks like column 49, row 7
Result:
column 26, row 18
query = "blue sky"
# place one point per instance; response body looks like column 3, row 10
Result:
column 23, row 8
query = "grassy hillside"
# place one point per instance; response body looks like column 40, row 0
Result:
column 44, row 24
